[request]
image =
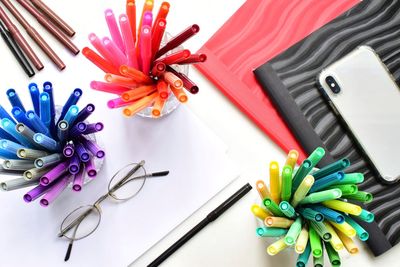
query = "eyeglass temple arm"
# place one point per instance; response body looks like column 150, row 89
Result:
column 71, row 242
column 154, row 174
column 158, row 174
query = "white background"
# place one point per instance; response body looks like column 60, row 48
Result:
column 230, row 241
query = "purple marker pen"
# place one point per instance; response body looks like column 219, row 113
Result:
column 82, row 152
column 69, row 150
column 78, row 179
column 74, row 164
column 35, row 193
column 56, row 190
column 90, row 168
column 94, row 128
column 92, row 147
column 54, row 173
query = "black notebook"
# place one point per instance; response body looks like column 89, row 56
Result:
column 290, row 81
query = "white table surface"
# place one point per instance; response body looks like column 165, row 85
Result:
column 231, row 240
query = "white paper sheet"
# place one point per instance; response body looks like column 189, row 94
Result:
column 199, row 168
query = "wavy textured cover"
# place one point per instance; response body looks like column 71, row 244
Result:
column 258, row 31
column 374, row 23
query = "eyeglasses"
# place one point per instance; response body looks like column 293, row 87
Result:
column 124, row 185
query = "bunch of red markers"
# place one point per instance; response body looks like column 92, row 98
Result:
column 140, row 70
column 46, row 152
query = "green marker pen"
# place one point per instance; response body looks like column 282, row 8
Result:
column 361, row 196
column 347, row 189
column 366, row 216
column 316, row 156
column 286, row 188
column 332, row 255
column 287, row 209
column 332, row 168
column 352, row 178
column 270, row 231
column 311, row 214
column 361, row 233
column 322, row 196
column 303, row 258
column 273, row 207
column 322, row 231
column 315, row 242
column 294, row 232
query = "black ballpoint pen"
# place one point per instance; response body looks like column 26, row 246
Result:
column 212, row 216
column 18, row 54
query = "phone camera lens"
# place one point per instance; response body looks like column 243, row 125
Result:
column 333, row 85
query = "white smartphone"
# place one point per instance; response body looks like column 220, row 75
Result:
column 363, row 93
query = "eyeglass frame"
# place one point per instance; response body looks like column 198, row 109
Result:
column 125, row 180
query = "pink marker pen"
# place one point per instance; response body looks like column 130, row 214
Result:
column 129, row 42
column 113, row 28
column 118, row 57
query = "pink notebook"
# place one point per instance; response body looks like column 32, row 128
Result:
column 257, row 32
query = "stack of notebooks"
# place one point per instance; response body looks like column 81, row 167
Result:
column 257, row 32
column 289, row 81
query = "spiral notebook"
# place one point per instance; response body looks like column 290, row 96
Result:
column 290, row 81
column 258, row 31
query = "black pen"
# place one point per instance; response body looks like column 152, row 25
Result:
column 12, row 45
column 212, row 216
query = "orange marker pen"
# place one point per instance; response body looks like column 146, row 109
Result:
column 179, row 94
column 162, row 88
column 262, row 190
column 120, row 80
column 158, row 106
column 135, row 74
column 138, row 93
column 100, row 62
column 162, row 12
column 131, row 13
column 173, row 80
column 139, row 105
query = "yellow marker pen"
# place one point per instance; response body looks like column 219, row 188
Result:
column 292, row 157
column 279, row 222
column 277, row 247
column 302, row 190
column 335, row 241
column 345, row 228
column 348, row 243
column 343, row 206
column 259, row 212
column 302, row 241
column 274, row 182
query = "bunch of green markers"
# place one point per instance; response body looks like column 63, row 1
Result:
column 309, row 209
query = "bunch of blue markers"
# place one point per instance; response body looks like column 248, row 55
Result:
column 46, row 149
column 309, row 209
